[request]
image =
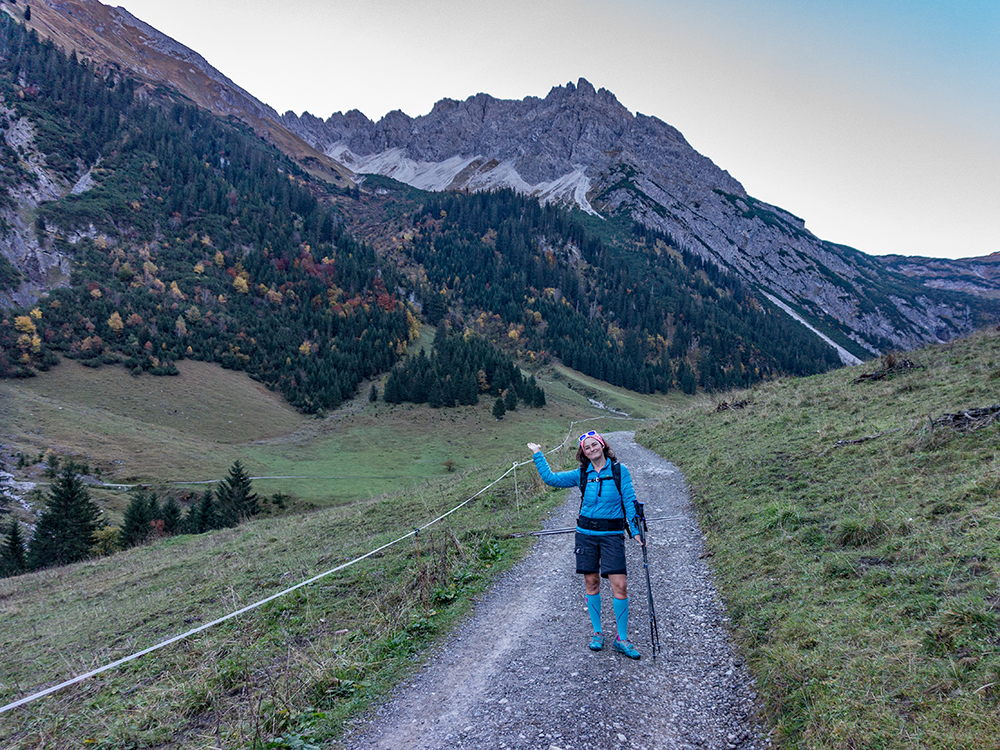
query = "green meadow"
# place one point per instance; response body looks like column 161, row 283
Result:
column 854, row 528
column 178, row 433
column 295, row 668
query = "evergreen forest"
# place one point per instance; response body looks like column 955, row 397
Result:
column 620, row 304
column 196, row 239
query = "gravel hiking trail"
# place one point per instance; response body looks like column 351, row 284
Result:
column 518, row 673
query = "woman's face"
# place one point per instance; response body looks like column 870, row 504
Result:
column 592, row 448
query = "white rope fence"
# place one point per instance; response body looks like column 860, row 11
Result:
column 131, row 657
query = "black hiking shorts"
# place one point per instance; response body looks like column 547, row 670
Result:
column 600, row 552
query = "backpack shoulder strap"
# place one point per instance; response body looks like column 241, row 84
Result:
column 616, row 473
column 583, row 484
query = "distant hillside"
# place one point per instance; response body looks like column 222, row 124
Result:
column 619, row 303
column 976, row 276
column 580, row 147
column 180, row 235
column 116, row 41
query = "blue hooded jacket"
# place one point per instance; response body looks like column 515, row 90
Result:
column 600, row 499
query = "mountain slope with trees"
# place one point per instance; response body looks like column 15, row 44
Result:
column 619, row 303
column 192, row 238
column 580, row 146
column 195, row 239
column 577, row 146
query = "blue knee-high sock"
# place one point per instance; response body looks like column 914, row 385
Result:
column 621, row 617
column 594, row 610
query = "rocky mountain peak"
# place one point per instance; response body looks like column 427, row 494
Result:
column 113, row 38
column 577, row 146
column 581, row 147
column 576, row 132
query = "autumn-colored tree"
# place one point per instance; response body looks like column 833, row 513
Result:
column 24, row 324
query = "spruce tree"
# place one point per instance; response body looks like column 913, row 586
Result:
column 236, row 499
column 510, row 400
column 141, row 510
column 205, row 516
column 65, row 532
column 498, row 408
column 537, row 398
column 12, row 559
column 170, row 514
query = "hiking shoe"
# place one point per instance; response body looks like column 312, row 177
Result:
column 626, row 647
column 597, row 642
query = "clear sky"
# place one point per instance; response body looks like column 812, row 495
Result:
column 876, row 121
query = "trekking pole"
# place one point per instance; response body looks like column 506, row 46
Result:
column 654, row 632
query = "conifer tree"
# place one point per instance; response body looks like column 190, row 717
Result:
column 205, row 516
column 65, row 532
column 498, row 408
column 170, row 514
column 537, row 398
column 510, row 400
column 12, row 559
column 141, row 510
column 236, row 500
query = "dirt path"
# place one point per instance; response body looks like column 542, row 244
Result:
column 518, row 673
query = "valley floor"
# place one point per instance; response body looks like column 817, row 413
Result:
column 518, row 673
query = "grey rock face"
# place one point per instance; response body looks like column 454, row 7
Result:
column 41, row 269
column 580, row 146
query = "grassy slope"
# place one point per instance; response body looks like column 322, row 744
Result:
column 298, row 666
column 861, row 579
column 193, row 426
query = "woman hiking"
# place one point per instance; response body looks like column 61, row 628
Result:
column 605, row 508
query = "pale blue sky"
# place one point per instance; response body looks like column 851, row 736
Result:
column 877, row 122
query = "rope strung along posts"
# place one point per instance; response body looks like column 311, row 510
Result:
column 517, row 495
column 194, row 631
